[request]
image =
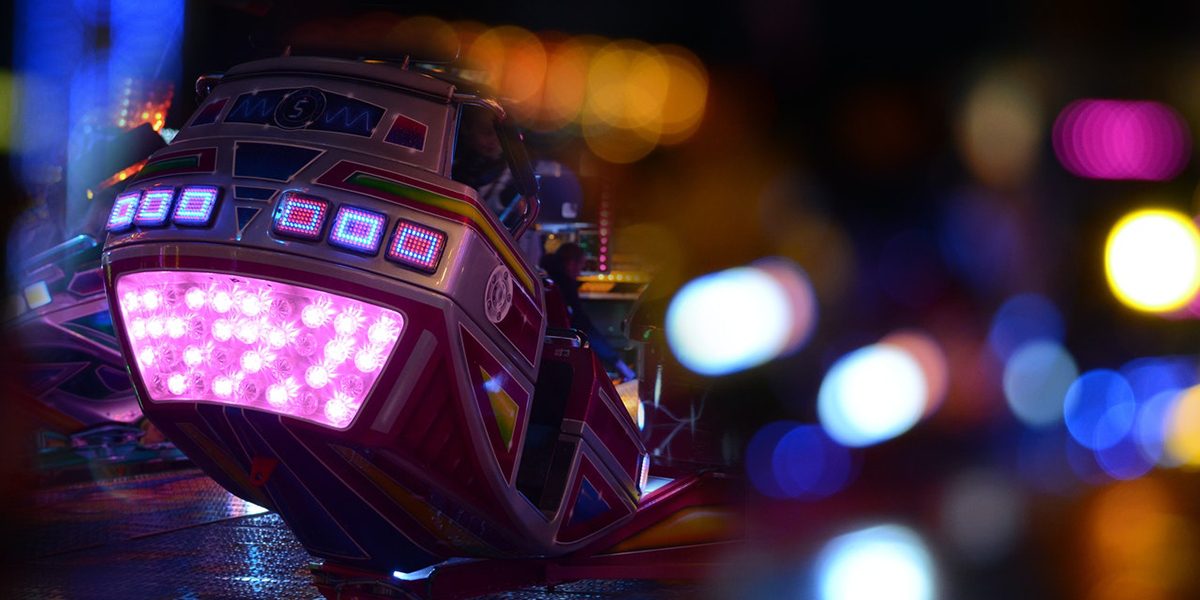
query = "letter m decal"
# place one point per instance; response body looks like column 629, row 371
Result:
column 254, row 108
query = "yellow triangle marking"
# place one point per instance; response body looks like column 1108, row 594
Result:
column 504, row 408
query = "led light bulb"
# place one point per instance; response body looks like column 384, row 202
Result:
column 337, row 411
column 252, row 361
column 277, row 395
column 176, row 328
column 151, row 299
column 247, row 331
column 131, row 302
column 137, row 328
column 222, row 330
column 156, row 327
column 383, row 331
column 251, row 305
column 177, row 384
column 277, row 337
column 222, row 302
column 317, row 377
column 368, row 359
column 348, row 321
column 337, row 351
column 193, row 356
column 223, row 386
column 195, row 298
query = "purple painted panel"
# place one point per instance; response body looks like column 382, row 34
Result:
column 523, row 325
column 503, row 403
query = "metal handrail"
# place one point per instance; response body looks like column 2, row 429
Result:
column 568, row 333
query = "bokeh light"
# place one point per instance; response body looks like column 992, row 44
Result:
column 1151, row 427
column 1152, row 260
column 1137, row 544
column 687, row 94
column 1157, row 384
column 1124, row 460
column 741, row 317
column 887, row 561
column 1099, row 409
column 1022, row 319
column 514, row 64
column 932, row 360
column 566, row 83
column 627, row 97
column 1119, row 139
column 1183, row 429
column 791, row 460
column 871, row 395
column 1000, row 129
column 1036, row 379
column 1084, row 463
column 980, row 492
column 627, row 85
column 1150, row 377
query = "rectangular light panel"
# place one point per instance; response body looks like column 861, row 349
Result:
column 254, row 343
column 358, row 229
column 300, row 216
column 155, row 207
column 121, row 217
column 416, row 246
column 196, row 205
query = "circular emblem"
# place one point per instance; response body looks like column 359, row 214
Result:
column 498, row 297
column 300, row 108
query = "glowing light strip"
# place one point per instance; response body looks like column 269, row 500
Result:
column 183, row 162
column 455, row 206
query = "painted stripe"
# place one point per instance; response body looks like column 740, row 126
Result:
column 687, row 527
column 361, row 179
column 436, row 523
column 198, row 160
column 417, row 361
column 184, row 162
column 449, row 205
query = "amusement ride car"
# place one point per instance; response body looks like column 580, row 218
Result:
column 331, row 327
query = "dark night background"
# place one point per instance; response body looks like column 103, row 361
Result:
column 852, row 109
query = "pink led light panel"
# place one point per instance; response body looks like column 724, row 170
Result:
column 121, row 217
column 417, row 246
column 155, row 206
column 254, row 343
column 300, row 217
column 1122, row 139
column 195, row 205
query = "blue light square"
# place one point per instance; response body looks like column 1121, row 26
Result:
column 358, row 229
column 155, row 206
column 121, row 217
column 196, row 205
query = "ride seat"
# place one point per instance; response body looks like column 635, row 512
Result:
column 557, row 316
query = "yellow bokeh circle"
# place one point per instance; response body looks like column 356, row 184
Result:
column 1152, row 260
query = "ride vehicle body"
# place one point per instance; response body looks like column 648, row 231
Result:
column 333, row 328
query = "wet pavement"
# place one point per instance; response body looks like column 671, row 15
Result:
column 180, row 535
